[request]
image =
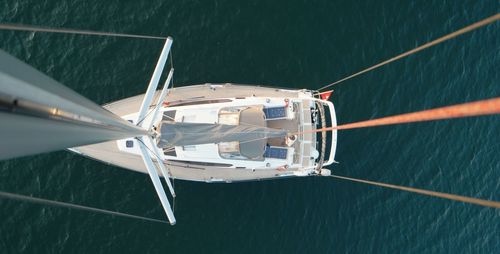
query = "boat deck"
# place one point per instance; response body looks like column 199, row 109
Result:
column 109, row 153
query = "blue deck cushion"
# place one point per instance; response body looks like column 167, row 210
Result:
column 275, row 113
column 275, row 152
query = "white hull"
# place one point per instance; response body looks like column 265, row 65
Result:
column 304, row 148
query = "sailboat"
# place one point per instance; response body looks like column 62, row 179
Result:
column 209, row 132
column 206, row 133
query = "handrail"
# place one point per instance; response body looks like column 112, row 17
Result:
column 323, row 136
column 333, row 119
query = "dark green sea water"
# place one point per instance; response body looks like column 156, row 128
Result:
column 297, row 44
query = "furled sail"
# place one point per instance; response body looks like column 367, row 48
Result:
column 251, row 139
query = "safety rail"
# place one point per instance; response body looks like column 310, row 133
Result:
column 333, row 144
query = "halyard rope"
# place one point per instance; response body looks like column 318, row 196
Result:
column 477, row 108
column 476, row 201
column 74, row 206
column 470, row 109
column 427, row 45
column 21, row 27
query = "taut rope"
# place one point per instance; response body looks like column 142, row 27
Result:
column 427, row 45
column 477, row 108
column 20, row 27
column 475, row 201
column 73, row 206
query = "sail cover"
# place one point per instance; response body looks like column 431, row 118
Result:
column 252, row 139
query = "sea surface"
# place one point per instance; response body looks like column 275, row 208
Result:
column 295, row 44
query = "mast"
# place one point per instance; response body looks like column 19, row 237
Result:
column 38, row 114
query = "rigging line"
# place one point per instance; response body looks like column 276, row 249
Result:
column 475, row 201
column 171, row 59
column 157, row 157
column 476, row 108
column 159, row 160
column 427, row 45
column 147, row 114
column 73, row 206
column 21, row 27
column 173, row 201
column 172, row 65
column 230, row 132
column 151, row 110
column 157, row 104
